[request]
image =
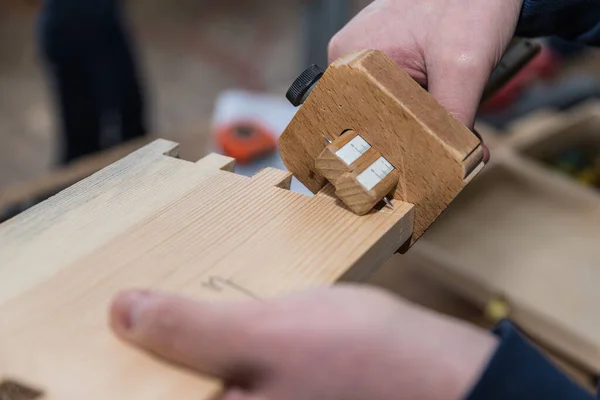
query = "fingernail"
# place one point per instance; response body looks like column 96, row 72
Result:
column 126, row 308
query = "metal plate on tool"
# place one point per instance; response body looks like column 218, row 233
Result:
column 353, row 150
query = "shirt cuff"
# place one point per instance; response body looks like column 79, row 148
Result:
column 533, row 8
column 575, row 20
column 517, row 371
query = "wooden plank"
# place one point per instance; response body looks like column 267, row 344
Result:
column 547, row 129
column 436, row 156
column 49, row 184
column 16, row 198
column 154, row 221
column 404, row 275
column 408, row 276
column 514, row 236
column 528, row 234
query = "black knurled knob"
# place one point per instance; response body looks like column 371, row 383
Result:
column 296, row 94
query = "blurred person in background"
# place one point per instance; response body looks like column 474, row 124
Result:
column 89, row 60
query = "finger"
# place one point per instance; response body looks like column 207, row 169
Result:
column 457, row 83
column 210, row 338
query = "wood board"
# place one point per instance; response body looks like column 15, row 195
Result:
column 408, row 276
column 154, row 221
column 18, row 197
column 527, row 234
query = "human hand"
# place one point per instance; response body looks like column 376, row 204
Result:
column 449, row 46
column 341, row 343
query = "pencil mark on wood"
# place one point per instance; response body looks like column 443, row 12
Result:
column 220, row 284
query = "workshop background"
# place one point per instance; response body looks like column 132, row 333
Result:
column 522, row 237
column 188, row 51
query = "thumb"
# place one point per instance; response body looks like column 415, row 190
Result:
column 458, row 84
column 210, row 338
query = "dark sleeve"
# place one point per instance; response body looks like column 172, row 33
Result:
column 574, row 20
column 519, row 372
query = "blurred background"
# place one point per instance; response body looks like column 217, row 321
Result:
column 187, row 52
column 211, row 74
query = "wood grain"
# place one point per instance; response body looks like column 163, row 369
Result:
column 515, row 236
column 154, row 221
column 367, row 92
column 48, row 184
column 344, row 177
column 15, row 198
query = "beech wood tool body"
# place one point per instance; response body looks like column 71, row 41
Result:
column 410, row 146
column 197, row 229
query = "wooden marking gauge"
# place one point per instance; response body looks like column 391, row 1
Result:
column 365, row 126
column 154, row 221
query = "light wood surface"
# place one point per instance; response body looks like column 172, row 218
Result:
column 409, row 276
column 515, row 240
column 193, row 140
column 526, row 234
column 54, row 181
column 368, row 93
column 154, row 221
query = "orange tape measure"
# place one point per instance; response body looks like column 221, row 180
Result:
column 245, row 140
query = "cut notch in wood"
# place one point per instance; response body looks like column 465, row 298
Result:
column 274, row 177
column 217, row 161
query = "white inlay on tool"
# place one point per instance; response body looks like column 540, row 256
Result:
column 353, row 150
column 376, row 172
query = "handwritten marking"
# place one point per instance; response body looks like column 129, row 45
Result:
column 219, row 284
